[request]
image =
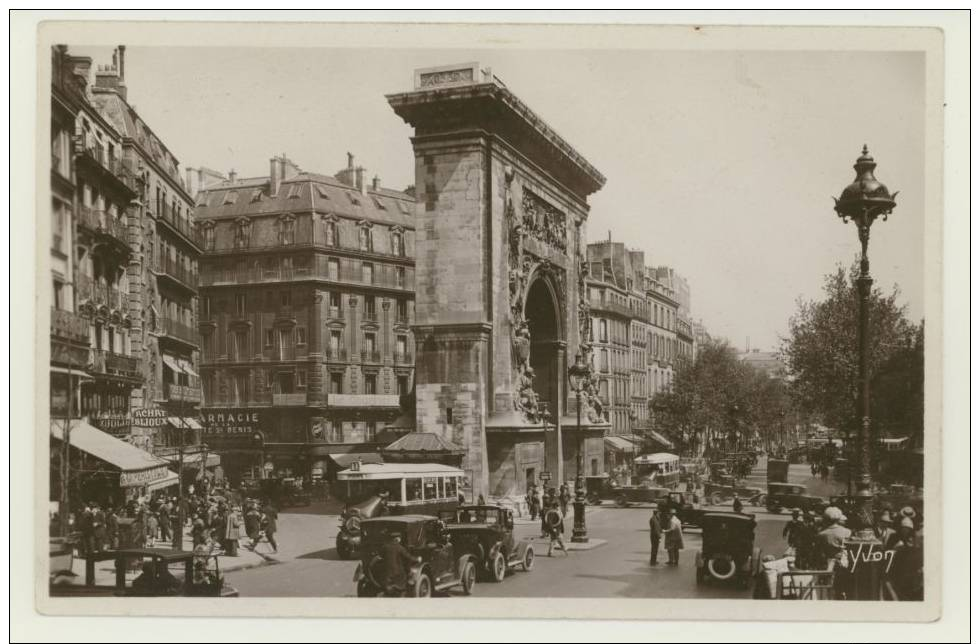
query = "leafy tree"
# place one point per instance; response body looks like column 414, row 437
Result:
column 822, row 359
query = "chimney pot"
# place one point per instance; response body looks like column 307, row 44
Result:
column 232, row 175
column 275, row 176
column 375, row 183
column 359, row 173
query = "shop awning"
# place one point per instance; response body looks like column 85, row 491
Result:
column 619, row 444
column 194, row 459
column 138, row 467
column 660, row 438
column 179, row 365
column 170, row 480
column 344, row 461
column 185, row 422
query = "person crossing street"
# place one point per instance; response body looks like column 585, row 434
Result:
column 655, row 532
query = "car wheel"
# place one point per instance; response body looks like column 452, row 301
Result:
column 594, row 499
column 762, row 500
column 343, row 550
column 716, row 499
column 366, row 589
column 621, row 501
column 498, row 567
column 468, row 577
column 423, row 586
column 528, row 561
column 775, row 509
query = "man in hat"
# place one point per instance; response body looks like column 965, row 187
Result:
column 737, row 505
column 396, row 561
column 564, row 498
column 655, row 533
column 885, row 530
column 906, row 526
column 791, row 531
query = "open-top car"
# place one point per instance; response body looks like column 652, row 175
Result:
column 600, row 488
column 687, row 506
column 728, row 551
column 487, row 533
column 726, row 487
column 438, row 566
column 792, row 497
column 197, row 575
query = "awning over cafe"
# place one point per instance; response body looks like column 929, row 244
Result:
column 660, row 438
column 619, row 444
column 137, row 466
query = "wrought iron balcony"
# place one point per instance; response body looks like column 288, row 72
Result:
column 289, row 400
column 180, row 331
column 370, row 356
column 109, row 363
column 102, row 223
column 67, row 325
column 182, row 393
column 181, row 274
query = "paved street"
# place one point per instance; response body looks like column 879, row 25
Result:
column 309, row 566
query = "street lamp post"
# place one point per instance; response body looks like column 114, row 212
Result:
column 863, row 201
column 578, row 375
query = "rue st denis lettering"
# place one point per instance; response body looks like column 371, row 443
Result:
column 230, row 422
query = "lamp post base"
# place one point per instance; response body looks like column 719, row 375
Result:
column 579, row 533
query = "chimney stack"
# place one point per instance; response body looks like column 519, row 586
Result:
column 190, row 179
column 375, row 183
column 275, row 176
column 359, row 172
column 122, row 63
column 232, row 175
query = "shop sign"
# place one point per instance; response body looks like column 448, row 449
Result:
column 545, row 476
column 111, row 421
column 142, row 477
column 149, row 417
column 231, row 422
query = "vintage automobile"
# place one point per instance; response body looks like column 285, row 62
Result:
column 349, row 538
column 487, row 533
column 201, row 576
column 726, row 487
column 789, row 496
column 728, row 551
column 439, row 566
column 685, row 504
column 601, row 488
column 777, row 471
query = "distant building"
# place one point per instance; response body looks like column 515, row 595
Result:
column 769, row 362
column 307, row 305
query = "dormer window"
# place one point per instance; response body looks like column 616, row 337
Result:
column 287, row 230
column 294, row 191
column 208, row 230
column 397, row 244
column 256, row 196
column 322, row 191
column 366, row 242
column 353, row 199
column 378, row 203
column 230, row 198
column 330, row 232
column 243, row 232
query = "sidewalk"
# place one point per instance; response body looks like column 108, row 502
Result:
column 105, row 571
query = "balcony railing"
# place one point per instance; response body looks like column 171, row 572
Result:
column 182, row 274
column 404, row 358
column 99, row 294
column 289, row 400
column 383, row 275
column 107, row 362
column 371, row 315
column 370, row 356
column 181, row 224
column 101, row 222
column 336, row 353
column 179, row 330
column 612, row 307
column 335, row 312
column 182, row 393
column 69, row 326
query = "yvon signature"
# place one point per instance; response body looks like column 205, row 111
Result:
column 866, row 553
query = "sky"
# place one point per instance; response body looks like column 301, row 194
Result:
column 720, row 164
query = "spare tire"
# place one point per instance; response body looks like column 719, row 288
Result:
column 353, row 524
column 722, row 562
column 552, row 518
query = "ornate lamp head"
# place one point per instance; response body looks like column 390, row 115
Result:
column 578, row 373
column 865, row 198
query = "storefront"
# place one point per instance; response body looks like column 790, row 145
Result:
column 105, row 469
column 237, row 437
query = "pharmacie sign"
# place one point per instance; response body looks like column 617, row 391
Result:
column 149, row 417
column 142, row 477
column 230, row 422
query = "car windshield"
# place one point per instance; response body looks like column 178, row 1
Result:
column 477, row 515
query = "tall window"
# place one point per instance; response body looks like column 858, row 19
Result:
column 209, row 237
column 240, row 304
column 301, row 335
column 400, row 276
column 240, row 344
column 401, row 311
column 366, row 242
column 603, row 331
column 335, row 302
column 285, row 343
column 243, row 233
column 335, row 344
column 370, row 307
column 207, row 346
column 401, row 347
column 330, row 233
column 369, row 342
column 206, row 307
column 402, row 385
column 58, row 295
column 397, row 244
column 336, row 383
column 287, row 231
column 367, row 273
column 240, row 386
column 371, row 383
column 333, row 269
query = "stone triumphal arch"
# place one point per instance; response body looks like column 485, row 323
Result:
column 501, row 308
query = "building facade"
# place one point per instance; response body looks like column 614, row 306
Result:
column 307, row 301
column 161, row 276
